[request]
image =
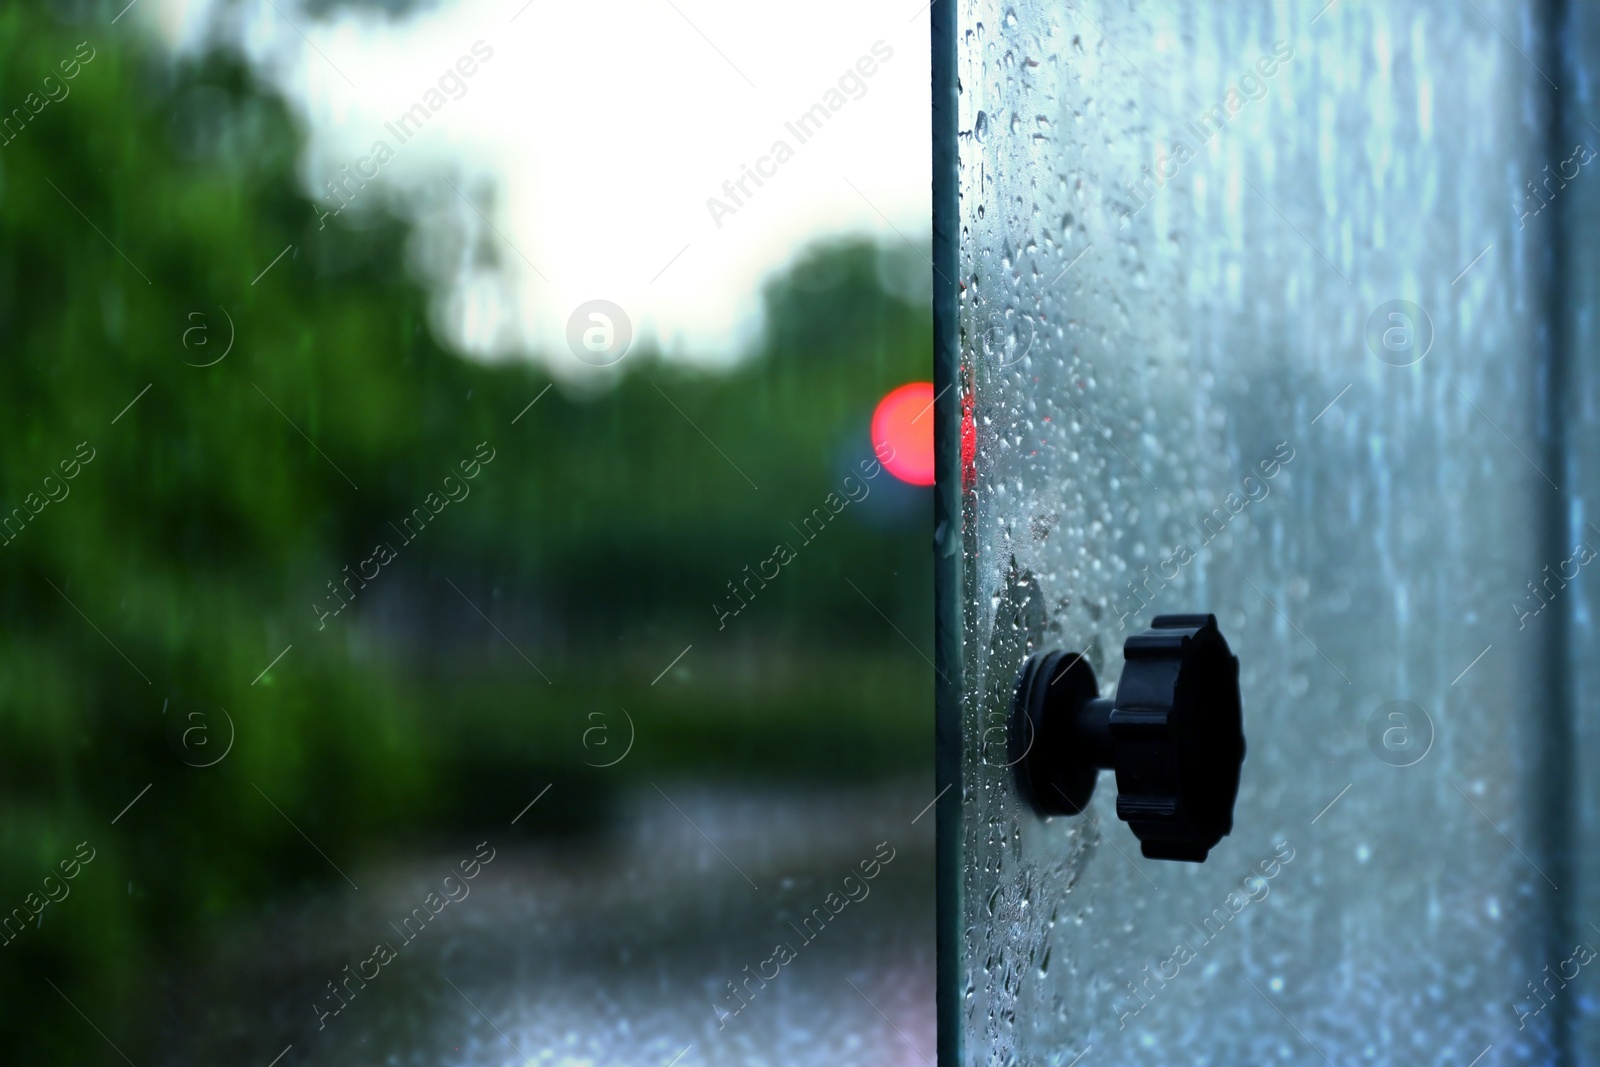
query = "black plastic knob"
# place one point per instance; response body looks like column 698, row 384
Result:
column 1174, row 735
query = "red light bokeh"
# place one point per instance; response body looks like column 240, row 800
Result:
column 902, row 432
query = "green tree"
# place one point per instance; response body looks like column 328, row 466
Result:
column 221, row 501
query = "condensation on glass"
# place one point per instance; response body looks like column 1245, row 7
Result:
column 1257, row 308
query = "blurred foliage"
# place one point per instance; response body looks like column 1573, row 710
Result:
column 188, row 552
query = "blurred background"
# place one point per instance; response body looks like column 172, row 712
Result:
column 472, row 548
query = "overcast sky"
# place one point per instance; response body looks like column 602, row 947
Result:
column 591, row 137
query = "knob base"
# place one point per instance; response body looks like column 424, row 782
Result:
column 1057, row 750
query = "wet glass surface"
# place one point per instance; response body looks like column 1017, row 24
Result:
column 1261, row 316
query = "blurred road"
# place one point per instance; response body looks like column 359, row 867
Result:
column 608, row 952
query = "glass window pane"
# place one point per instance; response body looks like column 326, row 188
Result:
column 1259, row 315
